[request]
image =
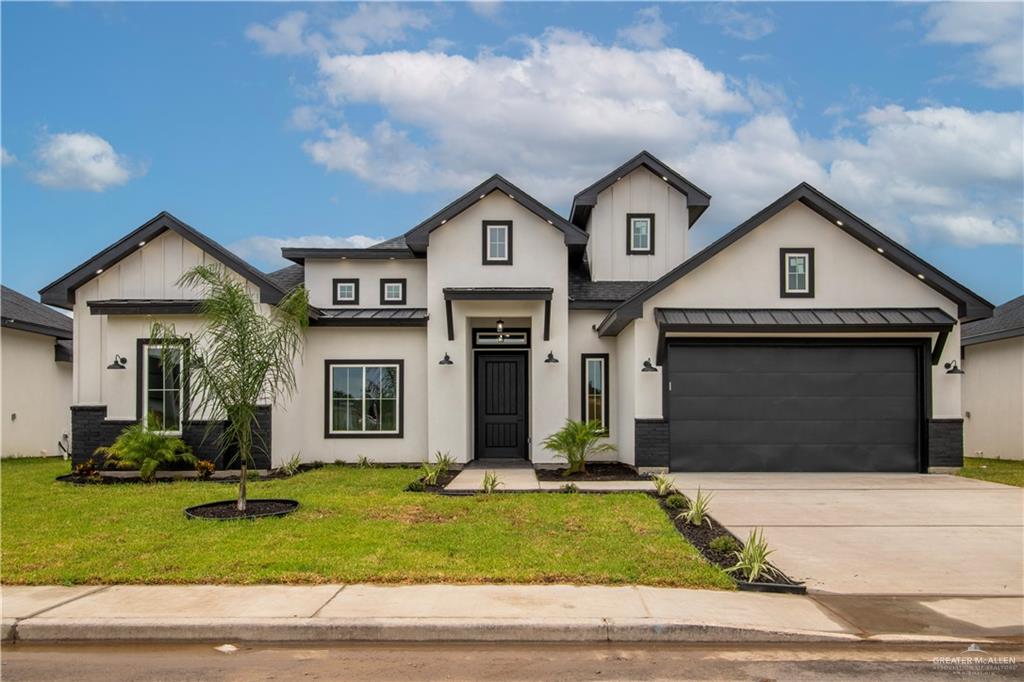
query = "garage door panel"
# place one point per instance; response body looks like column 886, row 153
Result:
column 793, row 407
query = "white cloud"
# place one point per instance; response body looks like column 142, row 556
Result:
column 81, row 161
column 286, row 36
column 970, row 230
column 737, row 23
column 6, row 158
column 995, row 29
column 266, row 251
column 647, row 30
column 306, row 118
column 488, row 9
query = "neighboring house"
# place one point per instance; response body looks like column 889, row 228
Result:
column 803, row 340
column 993, row 359
column 35, row 407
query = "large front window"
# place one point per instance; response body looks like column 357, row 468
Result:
column 163, row 401
column 364, row 398
column 595, row 389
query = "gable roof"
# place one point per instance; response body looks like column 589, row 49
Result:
column 1007, row 321
column 970, row 306
column 288, row 277
column 697, row 200
column 61, row 292
column 18, row 311
column 418, row 237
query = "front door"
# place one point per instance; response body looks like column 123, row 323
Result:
column 501, row 405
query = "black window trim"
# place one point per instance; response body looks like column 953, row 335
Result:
column 507, row 224
column 790, row 251
column 334, row 291
column 384, row 282
column 329, row 363
column 630, row 251
column 607, row 393
column 140, row 368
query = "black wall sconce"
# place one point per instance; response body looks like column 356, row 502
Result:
column 648, row 367
column 446, row 360
column 118, row 363
column 551, row 359
column 953, row 368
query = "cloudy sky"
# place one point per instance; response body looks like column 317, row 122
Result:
column 270, row 124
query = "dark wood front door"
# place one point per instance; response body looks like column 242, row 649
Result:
column 501, row 405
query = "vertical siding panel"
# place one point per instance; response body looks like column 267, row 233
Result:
column 153, row 268
column 172, row 265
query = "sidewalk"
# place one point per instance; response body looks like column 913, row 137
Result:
column 563, row 613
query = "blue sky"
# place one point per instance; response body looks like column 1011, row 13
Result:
column 264, row 124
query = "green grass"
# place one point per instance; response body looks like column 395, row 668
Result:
column 1008, row 471
column 354, row 525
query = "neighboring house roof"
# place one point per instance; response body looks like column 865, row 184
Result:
column 1007, row 321
column 418, row 237
column 61, row 293
column 288, row 277
column 970, row 305
column 18, row 311
column 697, row 200
column 588, row 294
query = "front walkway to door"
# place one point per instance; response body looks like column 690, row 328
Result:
column 514, row 475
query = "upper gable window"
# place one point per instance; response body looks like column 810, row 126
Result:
column 497, row 242
column 392, row 292
column 797, row 273
column 346, row 291
column 640, row 234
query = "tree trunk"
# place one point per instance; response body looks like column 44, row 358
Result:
column 242, row 475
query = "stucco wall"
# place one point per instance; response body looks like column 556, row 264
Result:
column 454, row 260
column 319, row 274
column 36, row 395
column 994, row 399
column 638, row 192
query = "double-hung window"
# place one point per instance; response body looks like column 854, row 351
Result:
column 595, row 388
column 640, row 234
column 162, row 387
column 497, row 242
column 392, row 292
column 797, row 273
column 364, row 398
column 346, row 291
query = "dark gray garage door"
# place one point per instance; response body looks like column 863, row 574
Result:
column 786, row 407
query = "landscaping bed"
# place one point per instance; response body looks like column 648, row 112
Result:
column 596, row 471
column 114, row 476
column 227, row 510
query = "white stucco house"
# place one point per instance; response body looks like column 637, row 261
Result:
column 993, row 362
column 35, row 374
column 802, row 340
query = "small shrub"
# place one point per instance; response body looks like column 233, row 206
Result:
column 143, row 448
column 430, row 473
column 675, row 501
column 86, row 468
column 697, row 513
column 491, row 482
column 576, row 442
column 569, row 488
column 291, row 467
column 205, row 468
column 725, row 544
column 415, row 487
column 364, row 462
column 752, row 560
column 663, row 485
column 443, row 461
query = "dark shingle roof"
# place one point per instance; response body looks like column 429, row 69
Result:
column 289, row 277
column 1006, row 322
column 393, row 243
column 21, row 312
column 585, row 293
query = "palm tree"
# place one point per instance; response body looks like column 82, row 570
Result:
column 240, row 357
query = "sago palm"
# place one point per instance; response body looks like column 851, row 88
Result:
column 142, row 447
column 240, row 357
column 576, row 442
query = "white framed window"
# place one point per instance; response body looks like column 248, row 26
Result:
column 497, row 238
column 364, row 398
column 640, row 233
column 595, row 388
column 392, row 292
column 346, row 291
column 797, row 272
column 163, row 397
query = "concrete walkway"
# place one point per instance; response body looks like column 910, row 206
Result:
column 473, row 612
column 523, row 478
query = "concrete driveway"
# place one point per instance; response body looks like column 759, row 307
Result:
column 879, row 534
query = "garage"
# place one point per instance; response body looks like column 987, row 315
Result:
column 795, row 405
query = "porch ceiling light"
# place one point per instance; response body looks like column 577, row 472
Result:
column 648, row 367
column 953, row 368
column 118, row 363
column 551, row 359
column 446, row 360
column 500, row 326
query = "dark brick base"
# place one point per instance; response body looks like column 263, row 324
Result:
column 91, row 429
column 945, row 442
column 650, row 442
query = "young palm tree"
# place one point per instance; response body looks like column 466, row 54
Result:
column 576, row 442
column 240, row 357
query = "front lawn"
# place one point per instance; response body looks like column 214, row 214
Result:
column 354, row 525
column 1008, row 471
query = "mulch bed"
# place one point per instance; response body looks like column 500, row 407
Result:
column 98, row 479
column 596, row 471
column 227, row 510
column 442, row 480
column 701, row 537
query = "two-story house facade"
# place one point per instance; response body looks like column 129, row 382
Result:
column 802, row 340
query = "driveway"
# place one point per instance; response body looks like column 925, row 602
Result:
column 879, row 534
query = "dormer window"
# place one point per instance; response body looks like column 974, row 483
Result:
column 392, row 292
column 497, row 242
column 639, row 234
column 346, row 291
column 797, row 273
